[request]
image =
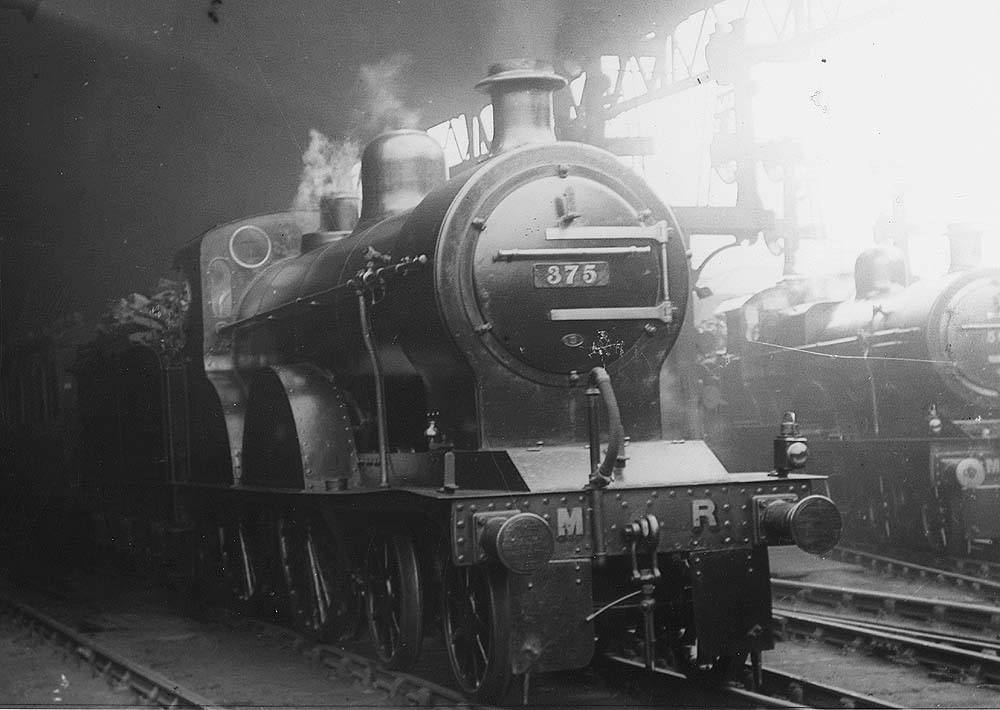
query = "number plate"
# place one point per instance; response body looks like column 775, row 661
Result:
column 572, row 274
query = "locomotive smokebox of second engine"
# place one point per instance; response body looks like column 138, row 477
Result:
column 521, row 93
column 398, row 169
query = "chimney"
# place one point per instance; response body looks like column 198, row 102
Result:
column 521, row 92
column 338, row 215
column 966, row 242
column 398, row 169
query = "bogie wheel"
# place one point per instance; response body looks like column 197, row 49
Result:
column 394, row 598
column 477, row 629
column 318, row 578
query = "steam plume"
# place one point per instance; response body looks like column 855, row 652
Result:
column 328, row 164
column 326, row 169
column 381, row 107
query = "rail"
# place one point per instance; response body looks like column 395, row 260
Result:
column 149, row 686
column 958, row 640
column 780, row 690
column 402, row 687
column 959, row 663
column 979, row 617
column 907, row 567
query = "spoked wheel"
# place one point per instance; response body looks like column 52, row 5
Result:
column 394, row 598
column 477, row 630
column 248, row 563
column 239, row 564
column 318, row 578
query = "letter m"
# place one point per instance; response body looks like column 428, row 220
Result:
column 569, row 523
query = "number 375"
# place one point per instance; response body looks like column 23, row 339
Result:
column 571, row 274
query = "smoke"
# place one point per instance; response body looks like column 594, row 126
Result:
column 328, row 164
column 382, row 109
column 327, row 168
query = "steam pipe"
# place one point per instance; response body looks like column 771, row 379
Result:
column 600, row 380
column 593, row 428
column 599, row 383
column 366, row 333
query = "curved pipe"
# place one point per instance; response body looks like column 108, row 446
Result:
column 600, row 379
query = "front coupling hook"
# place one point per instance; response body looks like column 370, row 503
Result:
column 645, row 533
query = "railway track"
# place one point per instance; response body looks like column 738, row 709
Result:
column 938, row 613
column 354, row 668
column 946, row 660
column 892, row 635
column 152, row 688
column 779, row 690
column 357, row 668
column 351, row 669
column 955, row 640
column 980, row 568
column 958, row 640
column 980, row 576
column 149, row 687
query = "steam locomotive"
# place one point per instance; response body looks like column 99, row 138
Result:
column 398, row 415
column 898, row 390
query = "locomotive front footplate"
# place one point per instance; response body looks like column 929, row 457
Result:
column 710, row 538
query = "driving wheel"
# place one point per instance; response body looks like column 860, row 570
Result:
column 318, row 578
column 239, row 562
column 393, row 598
